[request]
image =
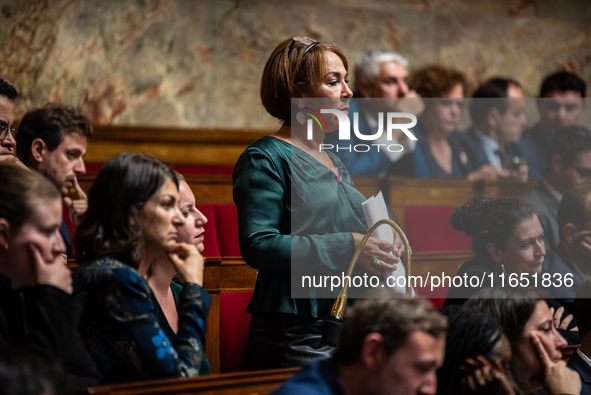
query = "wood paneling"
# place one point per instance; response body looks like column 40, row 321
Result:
column 242, row 383
column 199, row 147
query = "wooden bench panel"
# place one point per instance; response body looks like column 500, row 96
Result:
column 243, row 383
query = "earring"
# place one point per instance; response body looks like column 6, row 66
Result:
column 6, row 245
column 301, row 116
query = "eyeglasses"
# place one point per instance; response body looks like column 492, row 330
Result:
column 4, row 129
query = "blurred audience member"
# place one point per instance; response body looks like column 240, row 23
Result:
column 569, row 164
column 535, row 343
column 561, row 103
column 8, row 95
column 381, row 75
column 52, row 140
column 477, row 354
column 439, row 152
column 573, row 255
column 497, row 110
column 580, row 362
column 37, row 312
column 388, row 346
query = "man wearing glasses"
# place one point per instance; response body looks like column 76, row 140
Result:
column 568, row 164
column 8, row 95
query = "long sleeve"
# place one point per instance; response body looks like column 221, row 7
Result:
column 295, row 217
column 290, row 219
column 43, row 320
column 120, row 325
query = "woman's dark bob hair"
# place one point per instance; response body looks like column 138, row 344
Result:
column 111, row 226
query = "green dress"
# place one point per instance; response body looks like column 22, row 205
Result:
column 295, row 216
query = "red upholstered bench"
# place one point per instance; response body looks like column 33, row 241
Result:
column 437, row 296
column 428, row 229
column 234, row 325
column 226, row 217
column 210, row 241
column 221, row 230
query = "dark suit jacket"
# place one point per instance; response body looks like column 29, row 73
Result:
column 577, row 364
column 472, row 145
column 533, row 146
column 557, row 261
column 546, row 206
column 65, row 232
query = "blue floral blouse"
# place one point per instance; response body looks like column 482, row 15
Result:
column 120, row 326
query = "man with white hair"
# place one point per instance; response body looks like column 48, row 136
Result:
column 380, row 82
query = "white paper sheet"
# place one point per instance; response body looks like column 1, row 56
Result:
column 375, row 209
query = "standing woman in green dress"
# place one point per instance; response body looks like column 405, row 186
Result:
column 298, row 210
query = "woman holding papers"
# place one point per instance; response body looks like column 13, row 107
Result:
column 298, row 210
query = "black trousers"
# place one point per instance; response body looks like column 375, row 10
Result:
column 284, row 340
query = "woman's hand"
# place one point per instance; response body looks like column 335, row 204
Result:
column 557, row 317
column 482, row 377
column 55, row 273
column 376, row 250
column 558, row 379
column 399, row 249
column 188, row 263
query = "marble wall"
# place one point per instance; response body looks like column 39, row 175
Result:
column 197, row 63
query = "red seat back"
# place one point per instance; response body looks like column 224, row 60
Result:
column 210, row 241
column 436, row 296
column 226, row 217
column 234, row 327
column 428, row 229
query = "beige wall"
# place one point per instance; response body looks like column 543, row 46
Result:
column 197, row 63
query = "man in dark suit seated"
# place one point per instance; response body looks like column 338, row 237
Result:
column 561, row 103
column 388, row 346
column 569, row 164
column 570, row 261
column 498, row 117
column 581, row 359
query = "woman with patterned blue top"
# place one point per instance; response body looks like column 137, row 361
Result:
column 132, row 219
column 298, row 210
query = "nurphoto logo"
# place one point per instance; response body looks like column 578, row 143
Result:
column 392, row 122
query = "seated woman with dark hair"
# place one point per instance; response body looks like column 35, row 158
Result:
column 38, row 314
column 132, row 220
column 477, row 354
column 535, row 344
column 507, row 240
column 166, row 290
